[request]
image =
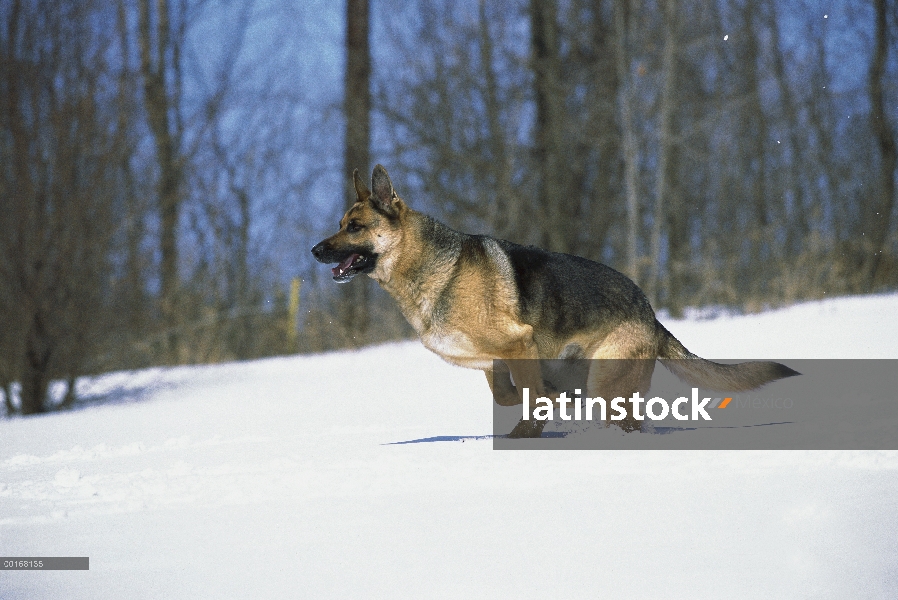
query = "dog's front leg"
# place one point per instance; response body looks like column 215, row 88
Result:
column 501, row 386
column 519, row 367
column 527, row 373
column 504, row 394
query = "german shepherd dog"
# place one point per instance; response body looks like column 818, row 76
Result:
column 474, row 299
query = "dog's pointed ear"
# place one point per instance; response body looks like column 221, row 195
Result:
column 383, row 195
column 361, row 190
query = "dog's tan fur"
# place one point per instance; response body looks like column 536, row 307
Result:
column 463, row 296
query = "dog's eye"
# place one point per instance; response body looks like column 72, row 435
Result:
column 354, row 227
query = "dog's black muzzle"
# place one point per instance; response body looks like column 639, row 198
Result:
column 350, row 262
column 323, row 253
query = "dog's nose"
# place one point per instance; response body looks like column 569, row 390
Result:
column 318, row 250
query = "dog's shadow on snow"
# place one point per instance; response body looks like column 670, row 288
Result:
column 562, row 434
column 465, row 438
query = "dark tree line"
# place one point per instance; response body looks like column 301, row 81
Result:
column 165, row 166
column 128, row 196
column 718, row 153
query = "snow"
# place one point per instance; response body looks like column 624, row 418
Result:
column 280, row 478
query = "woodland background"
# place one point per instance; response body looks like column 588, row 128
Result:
column 166, row 166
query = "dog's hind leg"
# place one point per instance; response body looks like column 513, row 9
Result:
column 611, row 378
column 622, row 364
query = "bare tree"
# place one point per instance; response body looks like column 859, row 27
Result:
column 60, row 148
column 548, row 136
column 630, row 147
column 506, row 213
column 884, row 195
column 665, row 146
column 357, row 111
column 455, row 105
column 161, row 39
column 795, row 162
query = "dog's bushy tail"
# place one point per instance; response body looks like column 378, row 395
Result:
column 699, row 372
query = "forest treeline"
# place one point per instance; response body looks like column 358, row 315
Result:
column 161, row 178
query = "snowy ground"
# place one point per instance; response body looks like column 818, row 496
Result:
column 275, row 479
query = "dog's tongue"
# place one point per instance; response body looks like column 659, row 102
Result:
column 338, row 270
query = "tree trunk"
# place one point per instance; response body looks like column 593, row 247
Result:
column 606, row 136
column 354, row 305
column 884, row 196
column 68, row 400
column 552, row 199
column 505, row 214
column 7, row 399
column 160, row 105
column 754, row 283
column 630, row 148
column 134, row 282
column 35, row 371
column 665, row 147
column 243, row 296
column 798, row 223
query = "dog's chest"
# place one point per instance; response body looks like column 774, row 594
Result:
column 446, row 344
column 455, row 347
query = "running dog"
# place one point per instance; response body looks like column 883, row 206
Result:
column 474, row 299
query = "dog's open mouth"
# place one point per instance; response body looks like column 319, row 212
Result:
column 351, row 266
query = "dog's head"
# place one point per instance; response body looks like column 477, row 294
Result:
column 369, row 231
